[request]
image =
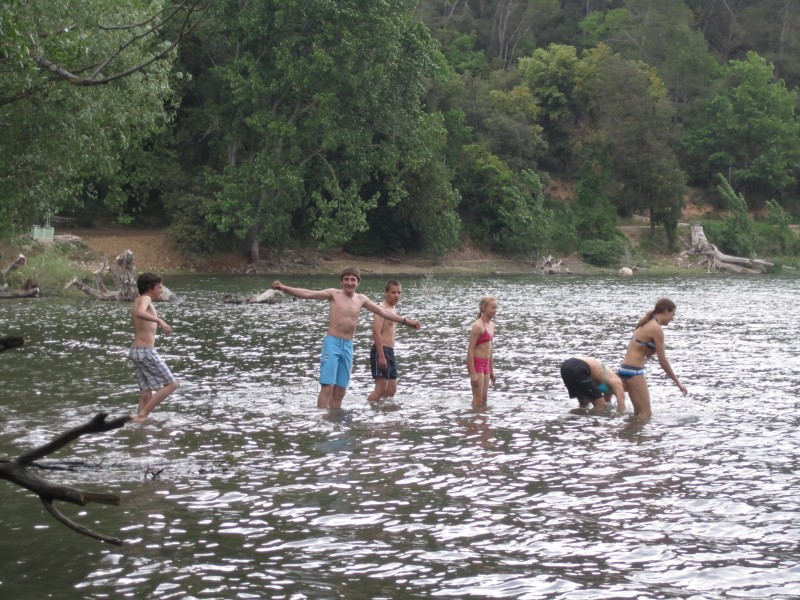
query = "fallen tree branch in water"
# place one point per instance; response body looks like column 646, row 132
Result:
column 18, row 471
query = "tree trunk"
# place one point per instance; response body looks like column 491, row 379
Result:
column 123, row 271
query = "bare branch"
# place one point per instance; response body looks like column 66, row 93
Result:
column 184, row 29
column 18, row 471
column 59, row 516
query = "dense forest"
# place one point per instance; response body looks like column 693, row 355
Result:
column 391, row 126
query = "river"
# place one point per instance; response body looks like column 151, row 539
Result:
column 238, row 487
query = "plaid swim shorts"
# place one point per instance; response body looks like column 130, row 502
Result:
column 151, row 371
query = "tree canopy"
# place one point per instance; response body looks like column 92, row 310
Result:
column 393, row 126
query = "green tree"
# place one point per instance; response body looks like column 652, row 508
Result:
column 748, row 130
column 81, row 85
column 502, row 210
column 738, row 231
column 630, row 123
column 663, row 35
column 314, row 113
column 550, row 75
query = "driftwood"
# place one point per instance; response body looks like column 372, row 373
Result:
column 265, row 297
column 18, row 471
column 123, row 271
column 23, row 293
column 550, row 266
column 19, row 262
column 717, row 260
column 29, row 288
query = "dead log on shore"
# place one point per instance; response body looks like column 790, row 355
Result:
column 725, row 262
column 23, row 293
column 18, row 471
column 123, row 271
column 29, row 288
column 550, row 266
column 18, row 263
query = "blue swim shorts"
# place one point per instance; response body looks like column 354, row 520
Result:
column 152, row 372
column 336, row 361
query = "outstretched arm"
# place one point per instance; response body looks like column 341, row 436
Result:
column 304, row 293
column 374, row 308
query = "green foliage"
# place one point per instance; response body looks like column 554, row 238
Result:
column 506, row 210
column 523, row 224
column 737, row 234
column 54, row 137
column 595, row 217
column 48, row 267
column 564, row 233
column 629, row 133
column 603, row 253
column 748, row 129
column 312, row 102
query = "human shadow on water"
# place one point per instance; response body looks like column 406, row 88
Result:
column 385, row 405
column 477, row 427
column 338, row 416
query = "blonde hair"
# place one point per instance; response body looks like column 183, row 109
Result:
column 483, row 303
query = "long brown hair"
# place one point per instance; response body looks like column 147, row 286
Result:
column 662, row 306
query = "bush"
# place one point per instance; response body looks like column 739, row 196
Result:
column 603, row 253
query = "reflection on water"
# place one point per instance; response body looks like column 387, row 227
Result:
column 240, row 488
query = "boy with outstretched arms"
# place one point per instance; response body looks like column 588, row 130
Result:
column 155, row 379
column 337, row 348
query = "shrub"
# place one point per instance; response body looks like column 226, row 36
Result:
column 603, row 253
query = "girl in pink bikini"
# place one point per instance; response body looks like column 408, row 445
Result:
column 479, row 352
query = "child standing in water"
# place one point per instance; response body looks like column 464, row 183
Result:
column 647, row 339
column 479, row 352
column 155, row 379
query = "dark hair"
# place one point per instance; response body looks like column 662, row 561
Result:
column 662, row 306
column 147, row 281
column 350, row 271
column 390, row 283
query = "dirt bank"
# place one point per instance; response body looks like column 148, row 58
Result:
column 155, row 251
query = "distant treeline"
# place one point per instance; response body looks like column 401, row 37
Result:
column 397, row 126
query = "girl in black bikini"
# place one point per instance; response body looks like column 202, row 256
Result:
column 648, row 339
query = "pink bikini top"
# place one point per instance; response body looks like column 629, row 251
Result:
column 485, row 337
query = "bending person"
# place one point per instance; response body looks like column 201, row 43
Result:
column 588, row 380
column 648, row 339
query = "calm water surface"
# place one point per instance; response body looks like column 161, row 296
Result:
column 240, row 488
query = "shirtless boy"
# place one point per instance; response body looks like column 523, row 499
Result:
column 337, row 348
column 588, row 380
column 381, row 357
column 151, row 371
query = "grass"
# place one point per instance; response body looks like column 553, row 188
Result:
column 48, row 266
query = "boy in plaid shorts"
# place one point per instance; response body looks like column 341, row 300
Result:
column 151, row 371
